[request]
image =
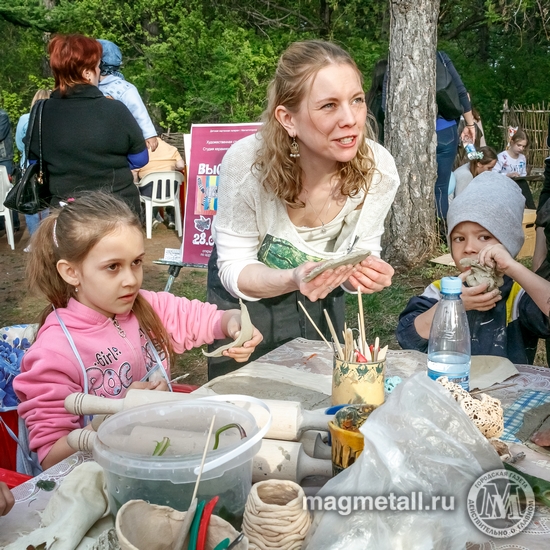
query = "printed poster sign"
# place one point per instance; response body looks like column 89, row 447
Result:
column 209, row 142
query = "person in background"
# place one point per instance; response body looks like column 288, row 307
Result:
column 513, row 163
column 447, row 143
column 6, row 158
column 6, row 499
column 89, row 142
column 6, row 142
column 467, row 172
column 485, row 224
column 374, row 97
column 480, row 135
column 165, row 158
column 541, row 257
column 112, row 84
column 32, row 220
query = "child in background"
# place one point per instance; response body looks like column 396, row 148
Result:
column 101, row 334
column 485, row 223
column 467, row 172
column 512, row 162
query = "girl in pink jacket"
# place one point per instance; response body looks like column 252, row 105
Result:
column 101, row 334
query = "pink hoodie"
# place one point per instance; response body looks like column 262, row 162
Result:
column 113, row 358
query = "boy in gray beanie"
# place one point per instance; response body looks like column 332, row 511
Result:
column 485, row 224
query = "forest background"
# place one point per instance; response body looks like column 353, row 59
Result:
column 210, row 60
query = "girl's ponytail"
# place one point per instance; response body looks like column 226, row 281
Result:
column 41, row 272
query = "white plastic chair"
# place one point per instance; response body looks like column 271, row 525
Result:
column 5, row 186
column 163, row 195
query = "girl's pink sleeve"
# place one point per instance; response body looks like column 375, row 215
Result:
column 191, row 323
column 46, row 379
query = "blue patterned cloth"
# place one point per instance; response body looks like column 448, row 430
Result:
column 513, row 415
column 14, row 341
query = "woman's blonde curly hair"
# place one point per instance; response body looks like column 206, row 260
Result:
column 276, row 169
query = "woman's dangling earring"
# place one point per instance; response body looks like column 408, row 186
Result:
column 76, row 289
column 294, row 148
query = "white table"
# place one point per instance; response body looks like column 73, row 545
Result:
column 306, row 366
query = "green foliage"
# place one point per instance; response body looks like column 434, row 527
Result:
column 199, row 61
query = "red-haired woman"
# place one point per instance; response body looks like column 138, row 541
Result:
column 89, row 142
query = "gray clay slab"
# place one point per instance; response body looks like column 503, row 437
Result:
column 271, row 389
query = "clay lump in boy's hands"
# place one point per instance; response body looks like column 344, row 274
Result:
column 482, row 274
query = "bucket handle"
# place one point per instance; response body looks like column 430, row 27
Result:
column 245, row 446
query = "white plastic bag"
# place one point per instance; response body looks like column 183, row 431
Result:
column 418, row 441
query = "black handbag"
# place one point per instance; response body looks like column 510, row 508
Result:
column 446, row 92
column 31, row 193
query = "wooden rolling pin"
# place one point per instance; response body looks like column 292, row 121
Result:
column 287, row 460
column 275, row 459
column 290, row 420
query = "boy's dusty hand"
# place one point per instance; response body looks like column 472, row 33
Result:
column 496, row 255
column 476, row 298
column 241, row 354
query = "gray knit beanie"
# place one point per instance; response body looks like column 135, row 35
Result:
column 495, row 202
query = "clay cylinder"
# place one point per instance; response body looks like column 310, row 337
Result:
column 274, row 516
column 358, row 383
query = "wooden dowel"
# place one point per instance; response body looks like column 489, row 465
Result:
column 363, row 336
column 316, row 327
column 203, row 459
column 334, row 336
column 376, row 348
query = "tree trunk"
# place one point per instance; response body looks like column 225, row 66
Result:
column 410, row 129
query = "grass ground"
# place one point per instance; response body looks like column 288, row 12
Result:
column 382, row 309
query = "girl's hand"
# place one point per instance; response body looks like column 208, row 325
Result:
column 476, row 298
column 513, row 174
column 241, row 354
column 157, row 385
column 496, row 255
column 231, row 326
column 323, row 284
column 7, row 499
column 371, row 275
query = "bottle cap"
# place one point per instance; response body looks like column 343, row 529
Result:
column 451, row 285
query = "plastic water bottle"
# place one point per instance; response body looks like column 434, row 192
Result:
column 470, row 149
column 449, row 352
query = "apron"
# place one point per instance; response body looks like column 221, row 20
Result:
column 279, row 319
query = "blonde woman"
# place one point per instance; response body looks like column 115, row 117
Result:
column 310, row 186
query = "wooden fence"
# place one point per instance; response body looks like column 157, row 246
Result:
column 534, row 122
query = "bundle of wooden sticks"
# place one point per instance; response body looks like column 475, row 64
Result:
column 355, row 350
